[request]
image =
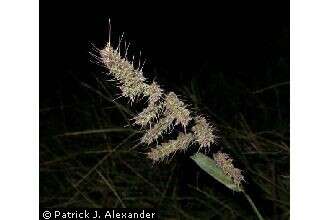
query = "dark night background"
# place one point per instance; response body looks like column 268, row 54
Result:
column 231, row 61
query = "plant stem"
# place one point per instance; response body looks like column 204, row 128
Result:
column 253, row 205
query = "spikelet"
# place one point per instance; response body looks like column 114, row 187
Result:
column 182, row 142
column 226, row 163
column 203, row 132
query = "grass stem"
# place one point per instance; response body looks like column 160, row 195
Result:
column 254, row 207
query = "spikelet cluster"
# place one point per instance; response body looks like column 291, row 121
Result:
column 203, row 132
column 182, row 142
column 163, row 112
column 162, row 126
column 224, row 161
column 154, row 92
column 131, row 80
column 148, row 115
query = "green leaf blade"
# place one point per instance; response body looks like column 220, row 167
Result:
column 209, row 166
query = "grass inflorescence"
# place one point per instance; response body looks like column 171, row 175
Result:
column 163, row 112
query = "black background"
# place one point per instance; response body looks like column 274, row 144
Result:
column 245, row 41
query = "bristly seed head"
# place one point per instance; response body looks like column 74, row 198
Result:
column 149, row 114
column 175, row 112
column 178, row 109
column 154, row 92
column 182, row 142
column 226, row 163
column 159, row 128
column 203, row 132
column 131, row 80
